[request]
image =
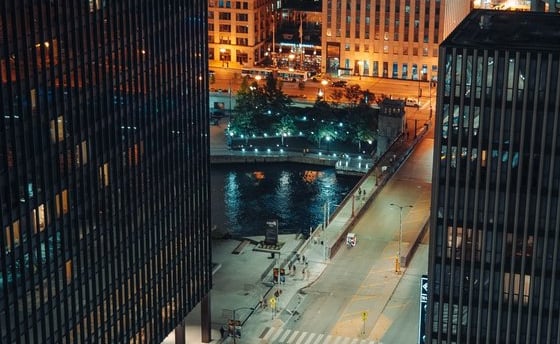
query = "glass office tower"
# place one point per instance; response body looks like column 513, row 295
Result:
column 494, row 262
column 104, row 188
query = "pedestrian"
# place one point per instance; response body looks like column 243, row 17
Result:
column 303, row 259
column 302, row 274
column 294, row 267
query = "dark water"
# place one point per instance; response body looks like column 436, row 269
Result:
column 244, row 196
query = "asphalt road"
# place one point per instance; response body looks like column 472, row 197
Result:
column 228, row 78
column 352, row 284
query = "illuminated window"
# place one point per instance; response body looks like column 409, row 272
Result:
column 12, row 235
column 68, row 271
column 57, row 129
column 134, row 153
column 516, row 286
column 104, row 174
column 39, row 218
column 81, row 154
column 33, row 96
column 61, row 203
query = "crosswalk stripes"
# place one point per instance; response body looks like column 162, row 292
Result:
column 275, row 335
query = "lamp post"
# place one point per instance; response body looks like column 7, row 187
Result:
column 398, row 260
column 233, row 323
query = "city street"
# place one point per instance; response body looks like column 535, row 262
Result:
column 357, row 279
column 229, row 78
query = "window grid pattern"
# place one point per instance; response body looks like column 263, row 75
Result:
column 496, row 197
column 104, row 200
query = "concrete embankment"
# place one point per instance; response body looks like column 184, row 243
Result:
column 260, row 158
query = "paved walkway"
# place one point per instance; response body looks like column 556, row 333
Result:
column 241, row 281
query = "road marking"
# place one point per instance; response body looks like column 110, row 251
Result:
column 278, row 333
column 285, row 335
column 293, row 336
column 302, row 337
column 269, row 332
column 310, row 338
column 319, row 339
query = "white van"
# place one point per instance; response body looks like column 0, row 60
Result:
column 411, row 102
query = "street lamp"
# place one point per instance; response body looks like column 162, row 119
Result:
column 328, row 138
column 398, row 261
column 234, row 323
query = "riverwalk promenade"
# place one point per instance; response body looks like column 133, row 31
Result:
column 243, row 286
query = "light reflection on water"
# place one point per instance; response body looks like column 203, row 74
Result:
column 244, row 197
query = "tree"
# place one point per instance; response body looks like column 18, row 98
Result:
column 336, row 97
column 325, row 130
column 353, row 94
column 284, row 127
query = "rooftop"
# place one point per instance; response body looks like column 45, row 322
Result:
column 508, row 30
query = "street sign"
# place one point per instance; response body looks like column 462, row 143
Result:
column 232, row 322
column 423, row 309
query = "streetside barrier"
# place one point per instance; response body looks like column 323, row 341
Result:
column 414, row 246
column 380, row 183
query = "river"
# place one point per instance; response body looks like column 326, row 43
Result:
column 245, row 196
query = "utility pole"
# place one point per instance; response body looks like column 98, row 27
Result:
column 301, row 40
column 398, row 260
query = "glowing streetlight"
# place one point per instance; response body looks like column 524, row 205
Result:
column 401, row 207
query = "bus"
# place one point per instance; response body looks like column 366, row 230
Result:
column 251, row 73
column 293, row 75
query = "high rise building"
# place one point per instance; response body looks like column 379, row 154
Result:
column 494, row 258
column 240, row 32
column 104, row 187
column 387, row 38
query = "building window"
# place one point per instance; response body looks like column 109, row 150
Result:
column 225, row 28
column 242, row 29
column 12, row 235
column 39, row 218
column 515, row 287
column 242, row 17
column 224, row 16
column 68, row 267
column 61, row 200
column 57, row 129
column 347, row 47
column 356, row 47
column 104, row 175
column 366, row 48
column 81, row 154
column 385, row 49
column 242, row 41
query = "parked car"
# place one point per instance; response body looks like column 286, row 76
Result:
column 339, row 83
column 411, row 102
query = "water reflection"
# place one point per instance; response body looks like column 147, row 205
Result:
column 244, row 197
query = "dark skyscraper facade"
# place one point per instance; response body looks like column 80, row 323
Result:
column 104, row 188
column 494, row 262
